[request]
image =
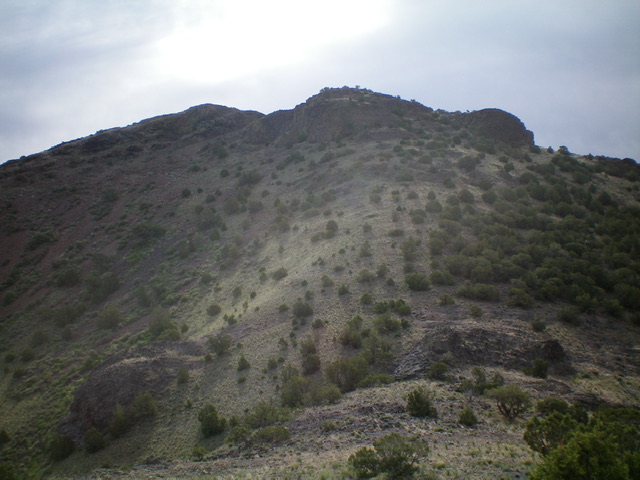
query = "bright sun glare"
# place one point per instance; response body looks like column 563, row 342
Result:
column 219, row 41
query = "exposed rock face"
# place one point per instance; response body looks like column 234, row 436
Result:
column 498, row 125
column 121, row 378
column 483, row 347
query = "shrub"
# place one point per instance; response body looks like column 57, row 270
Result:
column 318, row 394
column 385, row 323
column 310, row 364
column 346, row 373
column 417, row 281
column 60, row 448
column 440, row 277
column 327, row 281
column 210, row 422
column 144, row 234
column 393, row 454
column 69, row 277
column 538, row 326
column 549, row 405
column 39, row 338
column 331, row 229
column 343, row 290
column 40, row 238
column 467, row 417
column 587, row 455
column 220, row 344
column 569, row 315
column 293, row 390
column 99, row 287
column 419, row 404
column 265, row 414
column 546, row 434
column 480, row 291
column 366, row 299
column 243, row 363
column 446, row 299
column 121, row 422
column 539, row 368
column 279, row 274
column 94, row 441
column 161, row 326
column 272, row 434
column 302, row 309
column 214, row 309
column 511, row 401
column 143, row 406
column 375, row 380
column 110, row 318
column 437, row 371
column 365, row 276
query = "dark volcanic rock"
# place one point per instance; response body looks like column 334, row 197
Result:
column 498, row 125
column 481, row 346
column 121, row 378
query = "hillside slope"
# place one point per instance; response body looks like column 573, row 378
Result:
column 225, row 257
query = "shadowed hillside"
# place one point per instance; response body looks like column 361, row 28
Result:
column 222, row 292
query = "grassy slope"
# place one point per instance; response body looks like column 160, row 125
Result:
column 492, row 448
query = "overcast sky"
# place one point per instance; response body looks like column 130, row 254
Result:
column 569, row 69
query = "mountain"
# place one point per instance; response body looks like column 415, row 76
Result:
column 293, row 279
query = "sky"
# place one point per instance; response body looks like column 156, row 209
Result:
column 569, row 69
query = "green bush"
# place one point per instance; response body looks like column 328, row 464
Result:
column 110, row 318
column 143, row 406
column 99, row 287
column 121, row 422
column 375, row 380
column 549, row 405
column 214, row 309
column 420, row 404
column 183, row 376
column 511, row 401
column 220, row 344
column 418, row 282
column 346, row 373
column 437, row 371
column 446, row 299
column 69, row 277
column 60, row 448
column 40, row 238
column 94, row 441
column 272, row 434
column 302, row 309
column 539, row 368
column 393, row 455
column 467, row 417
column 293, row 390
column 243, row 363
column 385, row 323
column 210, row 422
column 161, row 326
column 479, row 291
column 588, row 455
column 265, row 414
column 279, row 274
column 441, row 277
column 318, row 394
column 543, row 435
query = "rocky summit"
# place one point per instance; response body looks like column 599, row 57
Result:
column 359, row 287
